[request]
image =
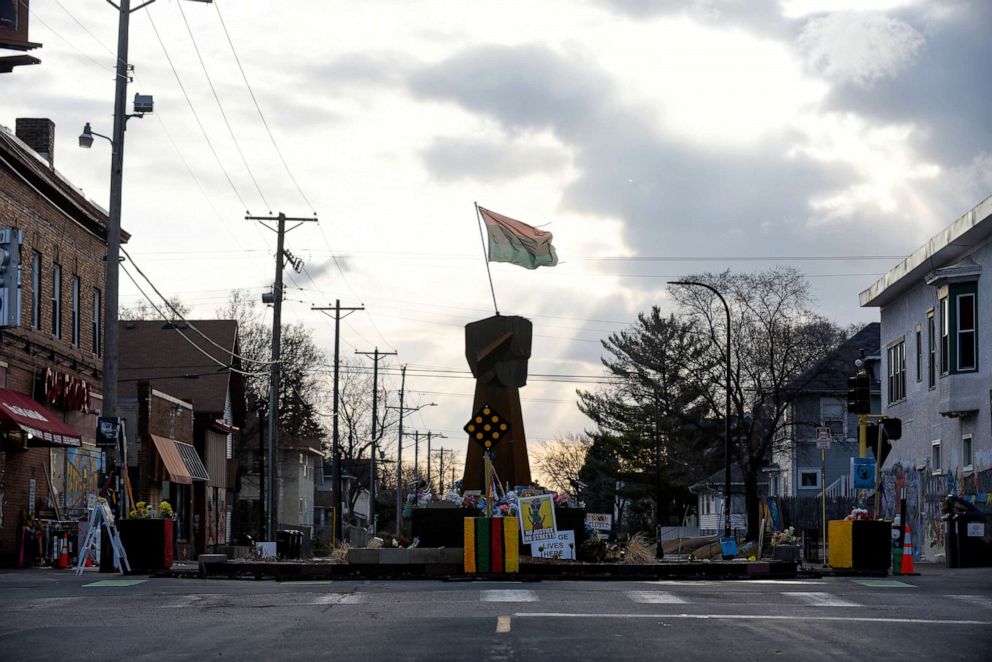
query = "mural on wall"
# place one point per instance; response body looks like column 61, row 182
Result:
column 82, row 476
column 216, row 524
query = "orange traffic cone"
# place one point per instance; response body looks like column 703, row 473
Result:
column 907, row 554
column 64, row 555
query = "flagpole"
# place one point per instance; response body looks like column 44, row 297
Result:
column 485, row 257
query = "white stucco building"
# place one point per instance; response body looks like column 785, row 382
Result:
column 936, row 344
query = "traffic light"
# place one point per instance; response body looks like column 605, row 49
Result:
column 859, row 393
column 10, row 276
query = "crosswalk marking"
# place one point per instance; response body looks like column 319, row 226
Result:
column 813, row 599
column 508, row 595
column 979, row 600
column 339, row 599
column 655, row 598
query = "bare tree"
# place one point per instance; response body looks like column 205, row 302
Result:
column 777, row 339
column 559, row 461
column 143, row 310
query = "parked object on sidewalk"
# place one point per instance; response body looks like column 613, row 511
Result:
column 857, row 544
column 967, row 534
column 906, row 567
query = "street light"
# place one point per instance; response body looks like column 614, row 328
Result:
column 726, row 432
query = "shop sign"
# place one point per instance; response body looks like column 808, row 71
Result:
column 62, row 390
column 108, row 431
column 562, row 547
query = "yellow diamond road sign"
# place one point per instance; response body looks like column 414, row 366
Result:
column 487, row 427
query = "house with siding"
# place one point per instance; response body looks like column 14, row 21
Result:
column 822, row 403
column 936, row 347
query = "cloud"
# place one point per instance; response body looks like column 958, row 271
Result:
column 461, row 158
column 859, row 48
column 762, row 16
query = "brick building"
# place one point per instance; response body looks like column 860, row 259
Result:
column 163, row 354
column 50, row 360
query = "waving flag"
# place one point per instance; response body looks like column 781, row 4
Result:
column 517, row 243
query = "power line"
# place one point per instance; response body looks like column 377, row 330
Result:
column 258, row 108
column 220, row 106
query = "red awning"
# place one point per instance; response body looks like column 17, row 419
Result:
column 35, row 420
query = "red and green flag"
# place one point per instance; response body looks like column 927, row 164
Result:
column 517, row 243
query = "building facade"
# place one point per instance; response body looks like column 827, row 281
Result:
column 51, row 353
column 936, row 342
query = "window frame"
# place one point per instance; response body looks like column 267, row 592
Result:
column 972, row 331
column 841, row 415
column 95, row 336
column 801, row 471
column 919, row 353
column 968, row 452
column 56, row 299
column 36, row 285
column 936, row 460
column 932, row 350
column 945, row 337
column 896, row 359
column 74, row 289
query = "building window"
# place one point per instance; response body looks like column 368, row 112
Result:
column 932, row 351
column 833, row 415
column 75, row 311
column 35, row 290
column 919, row 353
column 945, row 337
column 935, row 457
column 967, row 456
column 57, row 300
column 97, row 309
column 897, row 371
column 966, row 332
column 809, row 479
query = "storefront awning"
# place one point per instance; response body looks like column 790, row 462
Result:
column 42, row 427
column 173, row 462
column 192, row 461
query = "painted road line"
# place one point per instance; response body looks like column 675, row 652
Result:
column 106, row 583
column 803, row 582
column 979, row 600
column 821, row 599
column 518, row 595
column 44, row 603
column 756, row 617
column 655, row 598
column 677, row 582
column 883, row 583
column 502, row 625
column 339, row 599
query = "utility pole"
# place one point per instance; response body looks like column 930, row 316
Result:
column 376, row 355
column 416, row 455
column 440, row 473
column 335, row 449
column 276, row 365
column 430, row 435
column 399, row 457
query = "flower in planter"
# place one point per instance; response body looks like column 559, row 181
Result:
column 165, row 510
column 787, row 537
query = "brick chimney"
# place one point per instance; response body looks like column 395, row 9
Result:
column 38, row 133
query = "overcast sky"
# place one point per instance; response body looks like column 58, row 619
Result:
column 629, row 128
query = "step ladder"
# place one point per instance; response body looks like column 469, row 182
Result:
column 100, row 515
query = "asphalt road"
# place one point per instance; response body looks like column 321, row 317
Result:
column 54, row 616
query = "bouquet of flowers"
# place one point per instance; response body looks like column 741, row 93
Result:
column 859, row 514
column 787, row 537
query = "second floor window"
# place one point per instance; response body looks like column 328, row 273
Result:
column 57, row 300
column 919, row 352
column 945, row 338
column 75, row 311
column 35, row 290
column 966, row 332
column 97, row 310
column 932, row 351
column 897, row 371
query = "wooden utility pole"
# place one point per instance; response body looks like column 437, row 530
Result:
column 335, row 448
column 376, row 355
column 271, row 523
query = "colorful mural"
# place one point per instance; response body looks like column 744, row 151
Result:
column 83, row 468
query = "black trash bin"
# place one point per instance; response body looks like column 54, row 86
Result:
column 283, row 544
column 974, row 539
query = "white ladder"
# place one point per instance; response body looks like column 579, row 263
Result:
column 100, row 515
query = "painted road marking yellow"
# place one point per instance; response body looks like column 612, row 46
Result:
column 502, row 625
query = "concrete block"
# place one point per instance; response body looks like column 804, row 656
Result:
column 363, row 555
column 425, row 555
column 391, row 556
column 451, row 555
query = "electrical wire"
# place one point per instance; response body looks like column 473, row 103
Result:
column 220, row 106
